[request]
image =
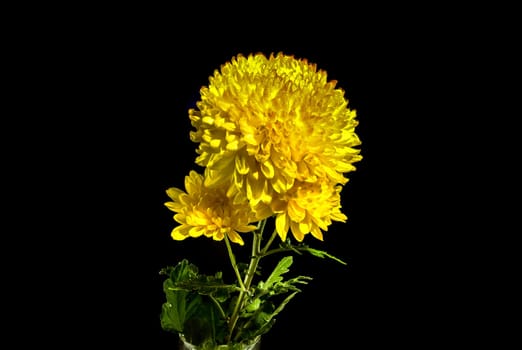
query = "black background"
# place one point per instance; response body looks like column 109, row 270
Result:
column 110, row 135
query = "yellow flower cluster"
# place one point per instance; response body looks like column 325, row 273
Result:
column 275, row 138
column 208, row 211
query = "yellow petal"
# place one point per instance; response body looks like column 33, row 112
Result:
column 282, row 225
column 295, row 212
column 262, row 211
column 208, row 120
column 179, row 233
column 305, row 227
column 296, row 231
column 174, row 193
column 181, row 218
column 233, row 146
column 196, row 231
column 235, row 237
column 246, row 228
column 280, row 184
column 339, row 217
column 254, row 188
column 267, row 168
column 241, row 165
column 215, row 143
column 317, row 233
column 174, row 206
column 193, row 182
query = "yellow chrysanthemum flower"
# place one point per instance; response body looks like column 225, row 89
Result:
column 264, row 123
column 308, row 208
column 209, row 212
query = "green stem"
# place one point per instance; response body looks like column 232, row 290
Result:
column 252, row 267
column 281, row 250
column 269, row 243
column 218, row 305
column 234, row 263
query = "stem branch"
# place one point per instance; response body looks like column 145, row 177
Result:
column 252, row 267
column 234, row 263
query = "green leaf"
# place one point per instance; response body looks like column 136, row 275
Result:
column 170, row 318
column 322, row 254
column 253, row 306
column 179, row 304
column 269, row 319
column 173, row 310
column 193, row 303
column 299, row 248
column 281, row 268
column 204, row 324
column 205, row 285
column 183, row 271
column 289, row 285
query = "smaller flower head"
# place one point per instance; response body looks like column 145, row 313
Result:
column 214, row 212
column 308, row 208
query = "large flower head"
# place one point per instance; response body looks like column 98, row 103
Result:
column 270, row 125
column 209, row 212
